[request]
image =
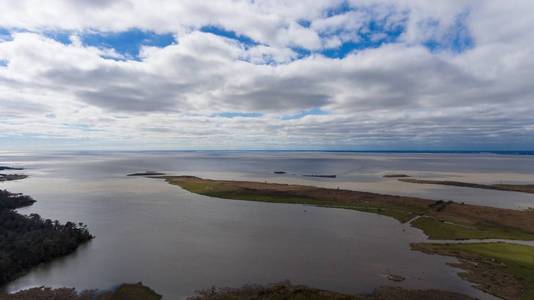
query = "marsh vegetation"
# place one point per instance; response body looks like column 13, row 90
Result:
column 502, row 269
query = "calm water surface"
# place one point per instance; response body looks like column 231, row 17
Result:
column 177, row 242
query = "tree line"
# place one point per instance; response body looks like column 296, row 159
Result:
column 13, row 200
column 27, row 241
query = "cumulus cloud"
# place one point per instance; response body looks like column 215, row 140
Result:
column 443, row 74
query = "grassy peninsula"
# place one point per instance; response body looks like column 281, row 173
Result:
column 299, row 194
column 505, row 270
column 438, row 219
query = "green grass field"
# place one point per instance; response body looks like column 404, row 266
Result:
column 437, row 230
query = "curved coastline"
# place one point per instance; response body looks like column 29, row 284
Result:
column 459, row 230
column 27, row 241
column 405, row 209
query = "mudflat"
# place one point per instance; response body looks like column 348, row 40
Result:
column 522, row 188
column 502, row 269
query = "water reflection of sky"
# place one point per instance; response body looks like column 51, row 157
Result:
column 357, row 171
column 177, row 242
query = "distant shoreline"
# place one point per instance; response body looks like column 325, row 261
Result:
column 458, row 152
column 148, row 173
column 2, row 168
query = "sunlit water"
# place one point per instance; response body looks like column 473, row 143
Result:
column 177, row 242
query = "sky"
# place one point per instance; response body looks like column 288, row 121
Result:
column 267, row 74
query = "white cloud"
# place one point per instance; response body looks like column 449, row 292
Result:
column 399, row 94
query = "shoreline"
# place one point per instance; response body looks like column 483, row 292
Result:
column 36, row 240
column 435, row 218
column 442, row 220
column 500, row 269
column 446, row 222
column 275, row 291
column 518, row 188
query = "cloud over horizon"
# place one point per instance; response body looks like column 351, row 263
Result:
column 370, row 74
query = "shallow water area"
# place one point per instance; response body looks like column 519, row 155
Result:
column 177, row 242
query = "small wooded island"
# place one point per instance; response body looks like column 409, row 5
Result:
column 9, row 177
column 2, row 168
column 27, row 241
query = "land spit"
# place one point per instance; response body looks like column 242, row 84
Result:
column 508, row 268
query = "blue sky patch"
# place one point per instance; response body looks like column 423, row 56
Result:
column 79, row 126
column 233, row 114
column 60, row 36
column 127, row 43
column 304, row 23
column 301, row 52
column 457, row 37
column 229, row 34
column 374, row 38
column 377, row 32
column 344, row 7
column 316, row 111
column 5, row 35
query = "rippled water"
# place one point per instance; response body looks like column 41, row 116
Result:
column 177, row 242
